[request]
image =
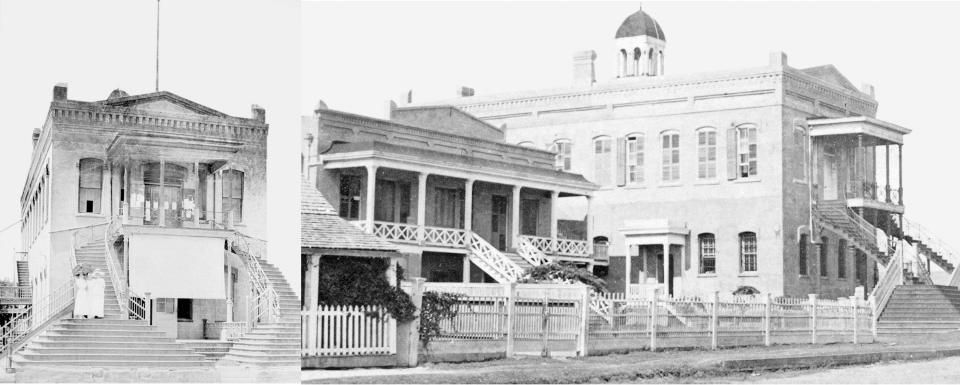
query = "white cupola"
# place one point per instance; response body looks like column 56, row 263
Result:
column 640, row 45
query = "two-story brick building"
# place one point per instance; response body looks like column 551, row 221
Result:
column 772, row 177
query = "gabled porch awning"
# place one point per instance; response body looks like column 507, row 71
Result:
column 875, row 132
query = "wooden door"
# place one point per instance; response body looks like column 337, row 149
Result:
column 498, row 221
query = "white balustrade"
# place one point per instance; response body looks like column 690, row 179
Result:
column 488, row 257
column 398, row 232
column 349, row 331
column 567, row 247
column 440, row 236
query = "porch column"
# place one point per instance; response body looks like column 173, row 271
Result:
column 163, row 211
column 515, row 218
column 311, row 293
column 887, row 171
column 554, row 197
column 626, row 264
column 421, row 205
column 468, row 206
column 642, row 252
column 229, row 291
column 900, row 173
column 371, row 196
column 861, row 177
column 196, row 195
column 466, row 268
column 589, row 224
column 666, row 267
column 126, row 192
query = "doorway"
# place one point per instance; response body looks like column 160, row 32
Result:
column 831, row 176
column 668, row 277
column 498, row 221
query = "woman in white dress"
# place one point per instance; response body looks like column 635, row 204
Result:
column 95, row 287
column 81, row 298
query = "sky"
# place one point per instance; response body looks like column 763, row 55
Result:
column 226, row 55
column 356, row 56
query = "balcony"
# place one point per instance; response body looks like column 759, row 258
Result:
column 15, row 295
column 560, row 247
column 866, row 194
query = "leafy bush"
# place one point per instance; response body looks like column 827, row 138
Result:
column 563, row 272
column 435, row 308
column 346, row 281
column 746, row 290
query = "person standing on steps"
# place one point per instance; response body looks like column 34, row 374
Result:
column 81, row 298
column 95, row 287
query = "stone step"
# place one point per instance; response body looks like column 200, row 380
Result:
column 99, row 343
column 104, row 333
column 120, row 325
column 25, row 362
column 114, row 357
column 96, row 349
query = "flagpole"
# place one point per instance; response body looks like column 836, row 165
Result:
column 157, row 74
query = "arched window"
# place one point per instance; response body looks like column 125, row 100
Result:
column 526, row 144
column 623, row 63
column 602, row 159
column 708, row 253
column 564, row 149
column 747, row 150
column 842, row 258
column 637, row 66
column 91, row 184
column 635, row 158
column 707, row 153
column 824, row 250
column 670, row 160
column 748, row 252
column 802, row 255
column 233, row 194
column 600, row 248
column 651, row 64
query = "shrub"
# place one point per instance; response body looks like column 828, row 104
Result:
column 346, row 281
column 563, row 272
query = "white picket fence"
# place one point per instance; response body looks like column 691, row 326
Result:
column 347, row 331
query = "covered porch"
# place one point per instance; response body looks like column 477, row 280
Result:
column 655, row 250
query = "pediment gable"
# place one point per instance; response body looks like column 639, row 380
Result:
column 165, row 102
column 832, row 75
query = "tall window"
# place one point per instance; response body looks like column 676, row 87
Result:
column 708, row 253
column 233, row 193
column 824, row 250
column 670, row 144
column 350, row 196
column 802, row 256
column 91, row 183
column 602, row 157
column 748, row 252
column 842, row 258
column 635, row 158
column 707, row 153
column 747, row 150
column 563, row 148
column 448, row 207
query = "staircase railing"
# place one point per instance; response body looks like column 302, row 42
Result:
column 36, row 318
column 920, row 233
column 488, row 256
column 867, row 231
column 113, row 231
column 892, row 276
column 921, row 267
column 265, row 305
column 530, row 252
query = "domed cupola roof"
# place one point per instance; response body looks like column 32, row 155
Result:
column 640, row 24
column 117, row 94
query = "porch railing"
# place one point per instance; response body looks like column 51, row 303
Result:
column 16, row 292
column 407, row 233
column 559, row 246
column 530, row 252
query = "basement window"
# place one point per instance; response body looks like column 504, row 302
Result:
column 185, row 309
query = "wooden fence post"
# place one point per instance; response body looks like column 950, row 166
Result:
column 584, row 322
column 767, row 323
column 873, row 316
column 544, row 327
column 855, row 301
column 511, row 290
column 813, row 318
column 653, row 320
column 409, row 350
column 715, row 321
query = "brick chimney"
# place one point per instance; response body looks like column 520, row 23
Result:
column 868, row 89
column 60, row 91
column 583, row 71
column 259, row 114
column 36, row 137
column 778, row 59
column 465, row 92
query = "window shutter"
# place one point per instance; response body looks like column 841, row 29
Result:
column 732, row 153
column 621, row 161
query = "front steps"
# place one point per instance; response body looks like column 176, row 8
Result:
column 94, row 254
column 212, row 350
column 275, row 343
column 919, row 310
column 106, row 343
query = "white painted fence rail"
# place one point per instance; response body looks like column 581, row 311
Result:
column 348, row 331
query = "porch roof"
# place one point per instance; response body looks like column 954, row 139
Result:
column 882, row 132
column 323, row 231
column 344, row 155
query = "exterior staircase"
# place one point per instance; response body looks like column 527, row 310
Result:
column 23, row 273
column 927, row 245
column 108, row 342
column 835, row 216
column 113, row 341
column 920, row 309
column 494, row 262
column 272, row 343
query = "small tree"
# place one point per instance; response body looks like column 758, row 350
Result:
column 563, row 272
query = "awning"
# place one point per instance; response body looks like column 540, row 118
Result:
column 177, row 266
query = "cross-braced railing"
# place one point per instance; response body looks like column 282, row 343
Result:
column 485, row 255
column 559, row 246
column 45, row 310
column 264, row 305
column 530, row 252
